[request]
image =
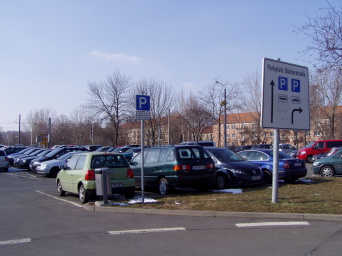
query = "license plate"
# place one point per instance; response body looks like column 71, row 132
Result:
column 198, row 167
column 256, row 177
column 117, row 185
column 297, row 164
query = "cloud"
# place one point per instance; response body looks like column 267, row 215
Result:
column 113, row 57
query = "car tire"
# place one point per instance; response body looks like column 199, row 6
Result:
column 267, row 176
column 327, row 171
column 309, row 159
column 53, row 172
column 221, row 181
column 60, row 190
column 164, row 187
column 130, row 194
column 82, row 194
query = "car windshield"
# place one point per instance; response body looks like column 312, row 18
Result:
column 110, row 161
column 224, row 155
column 66, row 156
column 282, row 155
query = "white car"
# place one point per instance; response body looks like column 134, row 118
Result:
column 52, row 167
column 3, row 161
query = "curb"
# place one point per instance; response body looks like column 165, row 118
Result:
column 326, row 217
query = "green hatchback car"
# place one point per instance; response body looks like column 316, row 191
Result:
column 78, row 176
column 328, row 166
column 167, row 167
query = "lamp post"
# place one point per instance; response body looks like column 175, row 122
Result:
column 225, row 114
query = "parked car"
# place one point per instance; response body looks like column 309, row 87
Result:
column 290, row 169
column 34, row 154
column 287, row 148
column 329, row 153
column 240, row 148
column 3, row 161
column 233, row 170
column 52, row 167
column 57, row 152
column 78, row 175
column 125, row 148
column 317, row 147
column 266, row 146
column 91, row 147
column 12, row 157
column 24, row 162
column 201, row 143
column 167, row 167
column 13, row 149
column 329, row 166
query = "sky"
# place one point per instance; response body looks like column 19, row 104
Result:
column 50, row 50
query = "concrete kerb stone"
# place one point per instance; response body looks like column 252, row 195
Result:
column 115, row 209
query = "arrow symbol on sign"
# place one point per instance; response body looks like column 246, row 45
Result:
column 272, row 87
column 296, row 110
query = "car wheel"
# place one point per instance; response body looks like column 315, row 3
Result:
column 221, row 181
column 60, row 190
column 309, row 159
column 267, row 176
column 130, row 194
column 53, row 172
column 82, row 194
column 164, row 187
column 327, row 171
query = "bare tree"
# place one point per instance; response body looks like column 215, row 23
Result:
column 61, row 130
column 109, row 100
column 325, row 33
column 38, row 122
column 326, row 98
column 216, row 97
column 161, row 101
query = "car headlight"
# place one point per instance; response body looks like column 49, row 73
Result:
column 42, row 165
column 237, row 171
column 315, row 163
column 302, row 152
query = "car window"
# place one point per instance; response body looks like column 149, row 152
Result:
column 80, row 162
column 152, row 156
column 192, row 153
column 225, row 155
column 171, row 156
column 110, row 161
column 72, row 163
column 257, row 156
column 319, row 145
column 163, row 153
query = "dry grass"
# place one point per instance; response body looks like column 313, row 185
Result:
column 321, row 196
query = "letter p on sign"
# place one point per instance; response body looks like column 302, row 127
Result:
column 142, row 102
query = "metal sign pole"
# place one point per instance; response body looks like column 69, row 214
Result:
column 142, row 162
column 275, row 175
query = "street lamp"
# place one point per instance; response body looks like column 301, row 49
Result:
column 225, row 114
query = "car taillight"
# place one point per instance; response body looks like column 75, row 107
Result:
column 286, row 165
column 210, row 166
column 130, row 173
column 182, row 167
column 90, row 175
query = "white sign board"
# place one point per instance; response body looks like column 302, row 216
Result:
column 285, row 96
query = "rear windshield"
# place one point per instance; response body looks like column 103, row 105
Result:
column 110, row 161
column 191, row 153
column 224, row 155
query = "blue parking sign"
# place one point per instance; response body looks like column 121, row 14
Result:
column 142, row 102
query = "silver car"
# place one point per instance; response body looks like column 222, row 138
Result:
column 52, row 167
column 3, row 161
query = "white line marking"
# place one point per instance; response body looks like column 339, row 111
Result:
column 139, row 231
column 75, row 204
column 17, row 241
column 265, row 224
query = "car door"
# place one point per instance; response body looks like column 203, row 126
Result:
column 66, row 174
column 78, row 173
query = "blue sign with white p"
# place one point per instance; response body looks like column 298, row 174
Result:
column 142, row 102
